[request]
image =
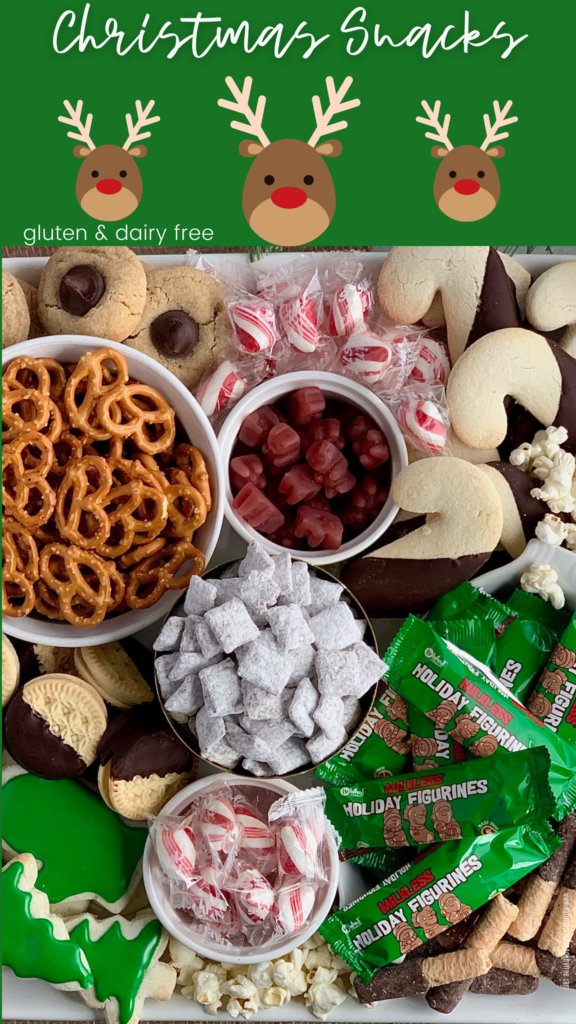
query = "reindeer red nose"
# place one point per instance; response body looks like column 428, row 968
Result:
column 109, row 186
column 288, row 197
column 466, row 187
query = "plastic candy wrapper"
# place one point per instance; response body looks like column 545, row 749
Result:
column 348, row 297
column 254, row 323
column 379, row 356
column 553, row 699
column 221, row 388
column 422, row 415
column 241, row 868
column 294, row 290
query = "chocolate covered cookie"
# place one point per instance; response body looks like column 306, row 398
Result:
column 183, row 324
column 94, row 290
column 521, row 512
column 551, row 303
column 15, row 314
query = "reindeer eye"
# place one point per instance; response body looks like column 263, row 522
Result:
column 480, row 174
column 94, row 174
column 308, row 180
column 452, row 174
column 269, row 179
column 123, row 174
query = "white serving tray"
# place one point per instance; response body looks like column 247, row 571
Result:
column 35, row 1000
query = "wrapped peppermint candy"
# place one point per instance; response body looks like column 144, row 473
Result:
column 253, row 894
column 294, row 905
column 432, row 365
column 366, row 354
column 223, row 387
column 176, row 850
column 297, row 850
column 298, row 318
column 218, row 824
column 257, row 840
column 254, row 324
column 350, row 307
column 424, row 423
column 205, row 899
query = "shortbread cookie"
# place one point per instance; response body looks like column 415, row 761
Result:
column 110, row 671
column 142, row 763
column 539, row 374
column 520, row 278
column 551, row 303
column 521, row 513
column 35, row 943
column 31, row 295
column 15, row 315
column 183, row 325
column 462, row 527
column 37, row 659
column 477, row 294
column 95, row 290
column 86, row 851
column 10, row 670
column 124, row 957
column 54, row 725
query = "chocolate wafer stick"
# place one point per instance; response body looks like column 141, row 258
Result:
column 559, row 969
column 416, row 976
column 513, row 957
column 541, row 886
column 559, row 927
column 499, row 982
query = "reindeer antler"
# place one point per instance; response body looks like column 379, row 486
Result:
column 500, row 121
column 142, row 122
column 75, row 119
column 433, row 121
column 253, row 123
column 335, row 106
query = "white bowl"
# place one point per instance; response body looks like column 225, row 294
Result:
column 334, row 386
column 69, row 348
column 501, row 582
column 175, row 922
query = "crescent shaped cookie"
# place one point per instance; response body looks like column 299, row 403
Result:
column 462, row 527
column 551, row 303
column 520, row 278
column 521, row 513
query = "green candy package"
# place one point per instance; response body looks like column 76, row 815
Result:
column 474, row 798
column 467, row 602
column 431, row 745
column 521, row 653
column 553, row 699
column 532, row 607
column 380, row 746
column 437, row 889
column 470, row 704
column 475, row 636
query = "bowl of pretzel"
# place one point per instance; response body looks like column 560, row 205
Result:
column 112, row 490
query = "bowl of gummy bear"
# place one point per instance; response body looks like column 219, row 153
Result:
column 309, row 466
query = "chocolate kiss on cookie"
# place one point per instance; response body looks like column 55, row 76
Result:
column 520, row 511
column 10, row 670
column 551, row 303
column 142, row 763
column 174, row 333
column 54, row 724
column 514, row 363
column 113, row 674
column 476, row 292
column 81, row 289
column 463, row 526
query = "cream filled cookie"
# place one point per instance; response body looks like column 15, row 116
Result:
column 113, row 674
column 94, row 290
column 10, row 670
column 15, row 314
column 183, row 325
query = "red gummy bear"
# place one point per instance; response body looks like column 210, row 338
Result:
column 299, row 484
column 359, row 427
column 320, row 528
column 330, row 468
column 283, row 445
column 364, row 503
column 306, row 405
column 285, row 536
column 327, row 430
column 372, row 450
column 257, row 509
column 247, row 469
column 257, row 425
column 341, row 486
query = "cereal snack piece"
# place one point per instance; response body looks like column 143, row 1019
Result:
column 188, row 698
column 288, row 757
column 258, row 591
column 163, row 667
column 323, row 594
column 463, row 526
column 335, row 628
column 290, row 627
column 209, row 730
column 258, row 768
column 221, row 688
column 321, row 746
column 302, row 706
column 86, row 851
column 15, row 312
column 259, row 703
column 232, row 625
column 265, row 667
column 338, row 672
column 35, row 943
column 54, row 724
column 10, row 670
column 142, row 763
column 110, row 671
column 257, row 559
column 200, row 596
column 96, row 290
column 183, row 324
column 124, row 957
column 253, row 747
column 170, row 636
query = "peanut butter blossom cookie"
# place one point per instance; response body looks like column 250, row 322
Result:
column 15, row 313
column 94, row 290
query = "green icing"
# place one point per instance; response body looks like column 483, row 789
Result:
column 29, row 945
column 82, row 844
column 119, row 963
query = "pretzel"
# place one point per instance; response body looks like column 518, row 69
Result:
column 47, row 602
column 80, row 513
column 17, row 593
column 134, row 401
column 26, row 493
column 186, row 506
column 145, row 551
column 152, row 577
column 68, row 448
column 191, row 460
column 83, row 601
column 151, row 515
column 32, row 402
column 87, row 380
column 19, row 549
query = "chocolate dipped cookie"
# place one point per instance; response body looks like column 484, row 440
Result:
column 551, row 303
column 521, row 513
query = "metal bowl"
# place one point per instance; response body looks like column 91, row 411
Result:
column 182, row 731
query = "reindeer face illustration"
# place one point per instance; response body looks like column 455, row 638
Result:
column 289, row 196
column 109, row 184
column 467, row 186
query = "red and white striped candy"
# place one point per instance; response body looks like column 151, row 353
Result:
column 206, row 900
column 254, row 895
column 432, row 365
column 254, row 324
column 367, row 354
column 223, row 386
column 297, row 850
column 299, row 322
column 350, row 306
column 422, row 423
column 256, row 838
column 218, row 824
column 294, row 907
column 176, row 851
